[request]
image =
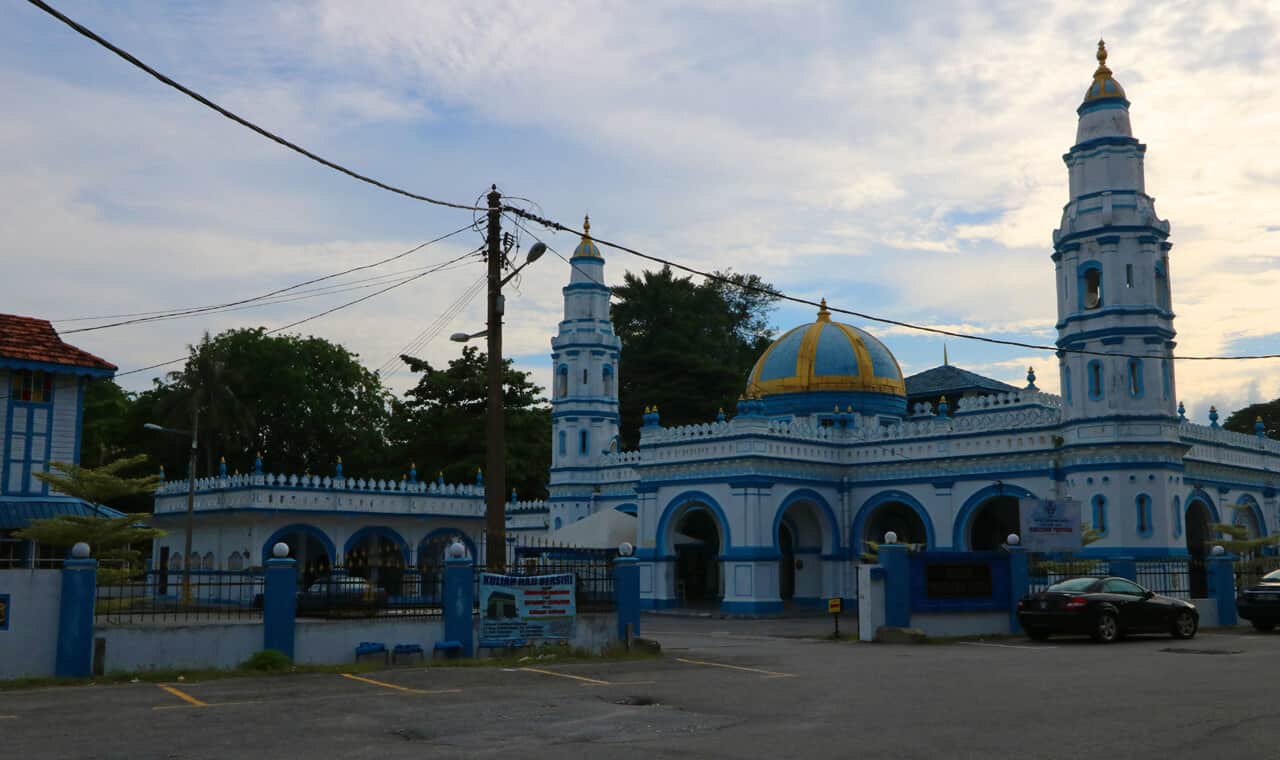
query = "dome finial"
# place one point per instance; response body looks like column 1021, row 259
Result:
column 1102, row 52
column 823, row 314
column 586, row 218
column 1103, row 85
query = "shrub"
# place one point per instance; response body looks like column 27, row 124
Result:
column 268, row 661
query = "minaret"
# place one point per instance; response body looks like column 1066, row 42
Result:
column 584, row 388
column 1111, row 258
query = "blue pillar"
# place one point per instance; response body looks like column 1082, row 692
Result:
column 1222, row 587
column 74, row 657
column 1019, row 578
column 459, row 603
column 280, row 604
column 897, row 585
column 1124, row 567
column 626, row 590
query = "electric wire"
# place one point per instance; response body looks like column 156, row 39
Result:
column 132, row 59
column 422, row 339
column 557, row 226
column 217, row 307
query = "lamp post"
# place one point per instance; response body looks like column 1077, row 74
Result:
column 191, row 495
column 495, row 479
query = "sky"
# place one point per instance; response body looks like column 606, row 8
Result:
column 902, row 159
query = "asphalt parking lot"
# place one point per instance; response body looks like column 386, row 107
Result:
column 722, row 689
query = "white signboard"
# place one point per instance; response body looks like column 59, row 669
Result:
column 1050, row 525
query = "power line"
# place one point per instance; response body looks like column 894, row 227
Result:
column 388, row 368
column 557, row 226
column 127, row 56
column 218, row 307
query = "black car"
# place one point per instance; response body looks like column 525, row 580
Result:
column 1106, row 609
column 1260, row 604
column 332, row 595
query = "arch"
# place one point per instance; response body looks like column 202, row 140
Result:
column 559, row 523
column 860, row 522
column 298, row 528
column 562, row 381
column 676, row 507
column 1143, row 517
column 1249, row 506
column 235, row 562
column 628, row 509
column 1176, row 508
column 831, row 534
column 960, row 529
column 1198, row 494
column 446, row 533
column 1090, row 285
column 380, row 531
column 1100, row 522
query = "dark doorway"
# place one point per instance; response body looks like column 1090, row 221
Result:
column 697, row 561
column 309, row 552
column 1198, row 536
column 992, row 523
column 899, row 518
column 431, row 557
column 786, row 565
column 380, row 561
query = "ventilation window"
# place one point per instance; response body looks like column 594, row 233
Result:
column 1128, row 275
column 1092, row 288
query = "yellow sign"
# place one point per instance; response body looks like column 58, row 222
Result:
column 833, row 606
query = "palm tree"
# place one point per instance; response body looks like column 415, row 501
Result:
column 206, row 385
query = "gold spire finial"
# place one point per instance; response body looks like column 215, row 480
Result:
column 823, row 314
column 586, row 226
column 1103, row 72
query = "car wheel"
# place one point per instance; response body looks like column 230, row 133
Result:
column 1037, row 634
column 1263, row 626
column 1106, row 628
column 1185, row 625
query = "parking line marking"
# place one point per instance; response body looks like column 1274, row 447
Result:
column 8, row 717
column 185, row 697
column 591, row 681
column 769, row 673
column 397, row 687
column 208, row 704
column 1005, row 646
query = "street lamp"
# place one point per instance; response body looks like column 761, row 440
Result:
column 495, row 480
column 191, row 495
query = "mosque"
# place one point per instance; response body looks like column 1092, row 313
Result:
column 831, row 447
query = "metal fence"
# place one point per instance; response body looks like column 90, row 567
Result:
column 592, row 572
column 379, row 591
column 1044, row 570
column 17, row 553
column 1249, row 572
column 1169, row 576
column 164, row 597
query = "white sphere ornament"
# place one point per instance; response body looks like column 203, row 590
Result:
column 625, row 549
column 280, row 550
column 1218, row 550
column 80, row 550
column 456, row 550
column 891, row 538
column 1013, row 539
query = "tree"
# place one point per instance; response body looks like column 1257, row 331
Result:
column 209, row 385
column 1243, row 420
column 688, row 347
column 440, row 423
column 98, row 485
column 104, row 435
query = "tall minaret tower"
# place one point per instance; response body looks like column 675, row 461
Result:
column 1111, row 258
column 584, row 388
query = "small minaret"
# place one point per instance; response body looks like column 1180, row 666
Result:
column 1111, row 257
column 584, row 386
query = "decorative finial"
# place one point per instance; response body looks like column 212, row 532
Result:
column 586, row 226
column 1182, row 411
column 1260, row 427
column 823, row 314
column 1213, row 416
column 1102, row 53
column 1031, row 379
column 222, row 467
column 946, row 362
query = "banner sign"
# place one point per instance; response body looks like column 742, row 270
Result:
column 1050, row 525
column 526, row 607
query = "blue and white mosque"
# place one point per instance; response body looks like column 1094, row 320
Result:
column 830, row 447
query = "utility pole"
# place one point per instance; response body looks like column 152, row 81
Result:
column 495, row 476
column 191, row 504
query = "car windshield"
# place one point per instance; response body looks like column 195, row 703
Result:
column 1272, row 577
column 1073, row 584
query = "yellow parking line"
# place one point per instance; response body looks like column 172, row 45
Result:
column 185, row 697
column 584, row 679
column 8, row 717
column 769, row 673
column 406, row 689
column 207, row 704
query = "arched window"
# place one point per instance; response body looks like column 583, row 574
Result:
column 209, row 562
column 1176, row 509
column 585, row 377
column 607, row 377
column 235, row 561
column 564, row 447
column 1095, row 380
column 1100, row 514
column 175, row 561
column 1162, row 284
column 1128, row 275
column 1135, row 378
column 1166, row 379
column 558, row 523
column 562, row 381
column 1090, row 285
column 583, row 438
column 1066, row 383
column 1143, row 505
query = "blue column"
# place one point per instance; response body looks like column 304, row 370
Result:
column 1019, row 578
column 280, row 605
column 1222, row 587
column 459, row 603
column 626, row 590
column 1124, row 567
column 897, row 585
column 74, row 657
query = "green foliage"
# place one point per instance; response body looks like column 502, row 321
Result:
column 111, row 540
column 689, row 346
column 98, row 485
column 268, row 661
column 1243, row 420
column 441, row 423
column 104, row 434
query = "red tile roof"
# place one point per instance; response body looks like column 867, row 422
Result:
column 35, row 340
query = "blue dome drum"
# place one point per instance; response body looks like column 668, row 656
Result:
column 813, row 368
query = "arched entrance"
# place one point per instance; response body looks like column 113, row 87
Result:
column 898, row 517
column 804, row 531
column 378, row 555
column 992, row 522
column 1199, row 520
column 308, row 546
column 787, row 564
column 431, row 559
column 697, row 549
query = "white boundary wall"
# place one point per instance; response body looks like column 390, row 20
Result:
column 29, row 647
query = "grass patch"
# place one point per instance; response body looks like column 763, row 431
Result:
column 547, row 654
